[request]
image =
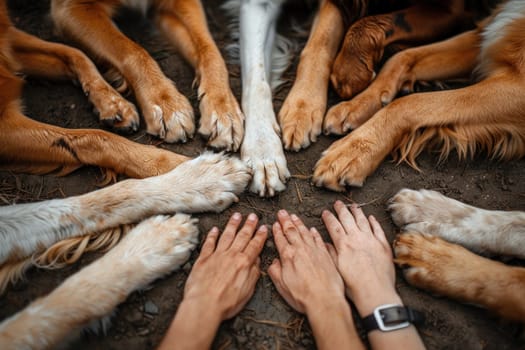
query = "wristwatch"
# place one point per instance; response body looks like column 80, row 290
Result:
column 390, row 317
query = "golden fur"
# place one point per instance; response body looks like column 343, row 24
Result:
column 486, row 116
column 432, row 250
column 345, row 47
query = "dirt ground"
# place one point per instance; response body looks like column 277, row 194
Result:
column 267, row 322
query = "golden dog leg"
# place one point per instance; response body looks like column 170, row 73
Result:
column 450, row 270
column 354, row 66
column 486, row 116
column 452, row 58
column 184, row 24
column 167, row 113
column 301, row 116
column 56, row 61
column 29, row 146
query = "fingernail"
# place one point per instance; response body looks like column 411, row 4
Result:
column 294, row 217
column 236, row 216
column 263, row 228
column 283, row 212
column 214, row 229
column 252, row 217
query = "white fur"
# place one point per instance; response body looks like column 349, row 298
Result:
column 207, row 183
column 154, row 248
column 483, row 231
column 496, row 30
column 262, row 148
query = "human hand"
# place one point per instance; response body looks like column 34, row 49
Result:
column 305, row 276
column 364, row 257
column 225, row 273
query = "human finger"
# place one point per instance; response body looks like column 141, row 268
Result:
column 278, row 236
column 379, row 233
column 208, row 247
column 245, row 233
column 334, row 227
column 360, row 218
column 229, row 232
column 256, row 244
column 276, row 275
column 288, row 227
column 303, row 230
column 346, row 218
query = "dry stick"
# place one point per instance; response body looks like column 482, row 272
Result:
column 270, row 323
column 366, row 203
column 225, row 345
column 299, row 196
column 302, row 177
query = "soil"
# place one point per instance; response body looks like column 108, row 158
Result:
column 266, row 322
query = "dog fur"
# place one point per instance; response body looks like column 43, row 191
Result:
column 486, row 116
column 57, row 149
column 167, row 113
column 436, row 228
column 155, row 247
column 301, row 116
column 349, row 60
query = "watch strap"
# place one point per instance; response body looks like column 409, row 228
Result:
column 391, row 317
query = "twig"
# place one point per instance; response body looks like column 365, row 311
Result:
column 299, row 196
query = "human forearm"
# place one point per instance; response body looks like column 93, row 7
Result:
column 333, row 326
column 188, row 330
column 404, row 338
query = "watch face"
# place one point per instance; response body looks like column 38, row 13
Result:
column 391, row 317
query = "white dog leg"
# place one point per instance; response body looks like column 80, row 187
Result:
column 154, row 248
column 262, row 148
column 483, row 231
column 210, row 182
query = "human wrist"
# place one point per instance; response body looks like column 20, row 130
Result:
column 333, row 325
column 203, row 306
column 328, row 308
column 366, row 301
column 188, row 331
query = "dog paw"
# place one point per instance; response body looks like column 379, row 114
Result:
column 349, row 115
column 409, row 207
column 433, row 264
column 348, row 161
column 264, row 154
column 210, row 182
column 353, row 68
column 222, row 121
column 161, row 244
column 301, row 118
column 436, row 214
column 167, row 113
column 114, row 111
column 350, row 77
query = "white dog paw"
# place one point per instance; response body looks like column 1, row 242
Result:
column 161, row 244
column 210, row 182
column 266, row 158
column 428, row 211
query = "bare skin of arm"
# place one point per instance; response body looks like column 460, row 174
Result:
column 306, row 277
column 364, row 260
column 221, row 282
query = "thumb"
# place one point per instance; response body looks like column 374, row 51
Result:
column 275, row 271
